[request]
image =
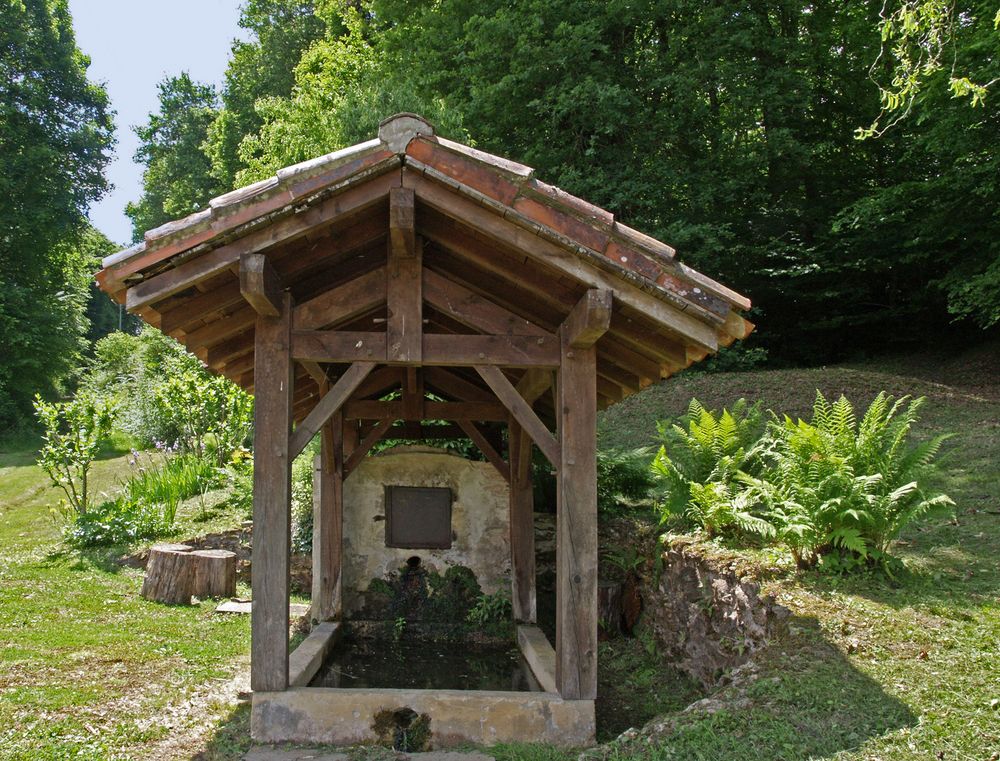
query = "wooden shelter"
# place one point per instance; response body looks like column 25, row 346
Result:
column 411, row 263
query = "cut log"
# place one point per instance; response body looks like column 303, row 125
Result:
column 609, row 608
column 214, row 573
column 169, row 574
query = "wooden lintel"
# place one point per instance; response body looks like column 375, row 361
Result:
column 522, row 411
column 404, row 327
column 328, row 404
column 438, row 349
column 371, row 439
column 589, row 320
column 369, row 409
column 491, row 454
column 260, row 284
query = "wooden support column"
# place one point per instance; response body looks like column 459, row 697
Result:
column 522, row 526
column 272, row 488
column 576, row 522
column 328, row 521
column 404, row 298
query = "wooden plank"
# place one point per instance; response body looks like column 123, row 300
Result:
column 260, row 284
column 315, row 371
column 221, row 329
column 521, row 411
column 338, row 346
column 446, row 382
column 220, row 259
column 328, row 525
column 342, row 303
column 371, row 439
column 413, row 394
column 483, row 219
column 272, row 491
column 328, row 404
column 203, row 305
column 403, row 281
column 534, row 383
column 589, row 320
column 576, row 524
column 494, row 458
column 367, row 409
column 474, row 311
column 522, row 526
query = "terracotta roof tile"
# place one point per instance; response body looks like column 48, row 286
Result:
column 577, row 206
column 592, row 237
column 464, row 170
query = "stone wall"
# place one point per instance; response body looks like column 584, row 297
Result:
column 707, row 613
column 480, row 520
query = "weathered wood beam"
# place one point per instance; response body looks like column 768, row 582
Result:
column 413, row 394
column 315, row 371
column 491, row 454
column 342, row 303
column 361, row 451
column 328, row 521
column 403, row 281
column 521, row 411
column 438, row 349
column 386, row 378
column 416, row 431
column 211, row 301
column 522, row 526
column 272, row 492
column 328, row 404
column 576, row 523
column 534, row 383
column 589, row 320
column 447, row 382
column 367, row 409
column 220, row 259
column 260, row 284
column 474, row 311
column 535, row 247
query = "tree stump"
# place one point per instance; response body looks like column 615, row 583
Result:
column 214, row 573
column 169, row 574
column 609, row 608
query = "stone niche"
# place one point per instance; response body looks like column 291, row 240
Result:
column 480, row 520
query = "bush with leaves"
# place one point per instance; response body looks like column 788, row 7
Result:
column 837, row 485
column 121, row 520
column 700, row 464
column 622, row 477
column 72, row 436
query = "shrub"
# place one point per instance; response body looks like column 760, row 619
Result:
column 700, row 463
column 622, row 476
column 117, row 521
column 72, row 437
column 492, row 613
column 839, row 485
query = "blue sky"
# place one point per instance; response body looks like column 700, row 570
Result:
column 132, row 45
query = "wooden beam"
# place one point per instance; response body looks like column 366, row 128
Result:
column 447, row 382
column 414, row 430
column 260, row 284
column 366, row 409
column 203, row 305
column 589, row 320
column 474, row 311
column 521, row 411
column 315, row 371
column 220, row 259
column 342, row 303
column 473, row 432
column 328, row 404
column 371, row 439
column 576, row 523
column 522, row 526
column 272, row 492
column 404, row 282
column 386, row 378
column 534, row 383
column 328, row 522
column 413, row 394
column 438, row 348
column 589, row 274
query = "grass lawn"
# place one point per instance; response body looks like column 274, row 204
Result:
column 869, row 670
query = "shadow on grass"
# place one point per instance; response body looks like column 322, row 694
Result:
column 231, row 738
column 808, row 701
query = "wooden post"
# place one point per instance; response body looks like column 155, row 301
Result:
column 404, row 329
column 522, row 526
column 328, row 527
column 576, row 524
column 272, row 487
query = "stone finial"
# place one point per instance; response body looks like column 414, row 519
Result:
column 398, row 130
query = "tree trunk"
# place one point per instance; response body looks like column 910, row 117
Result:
column 214, row 573
column 169, row 574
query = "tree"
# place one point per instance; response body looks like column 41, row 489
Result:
column 56, row 130
column 178, row 178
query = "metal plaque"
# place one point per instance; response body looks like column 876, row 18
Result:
column 418, row 517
